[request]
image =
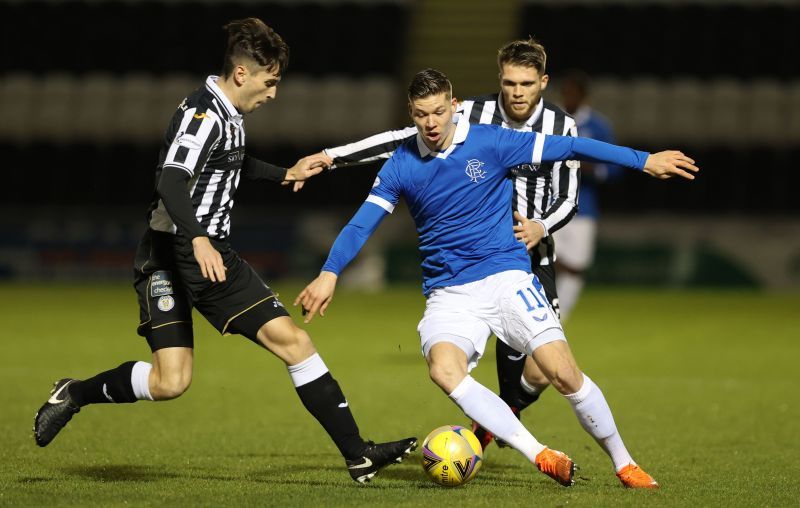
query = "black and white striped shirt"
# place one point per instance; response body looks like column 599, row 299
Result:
column 550, row 197
column 206, row 140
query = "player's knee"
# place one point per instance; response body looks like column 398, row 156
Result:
column 290, row 343
column 300, row 347
column 567, row 379
column 447, row 376
column 537, row 379
column 533, row 375
column 171, row 385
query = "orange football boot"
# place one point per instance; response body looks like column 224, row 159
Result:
column 634, row 477
column 557, row 465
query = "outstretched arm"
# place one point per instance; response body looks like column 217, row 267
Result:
column 305, row 168
column 669, row 163
column 376, row 147
column 318, row 294
column 661, row 165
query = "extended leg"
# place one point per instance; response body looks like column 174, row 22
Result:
column 556, row 361
column 448, row 369
column 323, row 398
column 168, row 377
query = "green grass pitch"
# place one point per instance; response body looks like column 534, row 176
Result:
column 703, row 385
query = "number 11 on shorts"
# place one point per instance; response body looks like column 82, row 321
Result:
column 535, row 295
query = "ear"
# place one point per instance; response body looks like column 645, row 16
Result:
column 240, row 74
column 545, row 80
column 454, row 104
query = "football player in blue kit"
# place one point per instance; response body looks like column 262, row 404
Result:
column 476, row 275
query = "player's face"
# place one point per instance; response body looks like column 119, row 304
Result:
column 522, row 88
column 259, row 86
column 433, row 116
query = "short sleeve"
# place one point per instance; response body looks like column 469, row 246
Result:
column 197, row 135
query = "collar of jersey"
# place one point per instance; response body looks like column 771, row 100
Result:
column 462, row 129
column 211, row 84
column 529, row 122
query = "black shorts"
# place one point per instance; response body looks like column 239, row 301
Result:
column 169, row 283
column 547, row 276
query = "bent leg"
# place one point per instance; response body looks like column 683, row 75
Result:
column 448, row 369
column 285, row 340
column 557, row 363
column 318, row 390
column 166, row 378
column 170, row 375
column 532, row 383
column 510, row 364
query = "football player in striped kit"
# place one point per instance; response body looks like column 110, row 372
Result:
column 185, row 261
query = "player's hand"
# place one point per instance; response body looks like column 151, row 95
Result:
column 527, row 231
column 317, row 296
column 296, row 186
column 670, row 163
column 306, row 168
column 209, row 259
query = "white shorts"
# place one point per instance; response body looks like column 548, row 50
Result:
column 510, row 304
column 575, row 243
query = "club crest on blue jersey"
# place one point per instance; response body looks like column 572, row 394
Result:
column 474, row 170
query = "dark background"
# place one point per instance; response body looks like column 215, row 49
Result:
column 706, row 42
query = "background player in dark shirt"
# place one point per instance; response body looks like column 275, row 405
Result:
column 184, row 260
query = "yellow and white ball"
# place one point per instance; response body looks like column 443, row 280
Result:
column 451, row 455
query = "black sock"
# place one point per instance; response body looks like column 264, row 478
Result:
column 526, row 399
column 324, row 399
column 510, row 364
column 110, row 386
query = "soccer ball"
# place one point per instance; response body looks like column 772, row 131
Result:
column 451, row 455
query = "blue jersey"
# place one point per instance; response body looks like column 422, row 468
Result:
column 460, row 199
column 592, row 124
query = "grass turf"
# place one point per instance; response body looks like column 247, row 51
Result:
column 703, row 386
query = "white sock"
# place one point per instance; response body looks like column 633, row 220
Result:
column 592, row 410
column 568, row 287
column 489, row 410
column 529, row 388
column 140, row 380
column 308, row 370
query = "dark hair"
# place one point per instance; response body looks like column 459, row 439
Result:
column 527, row 53
column 252, row 39
column 429, row 82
